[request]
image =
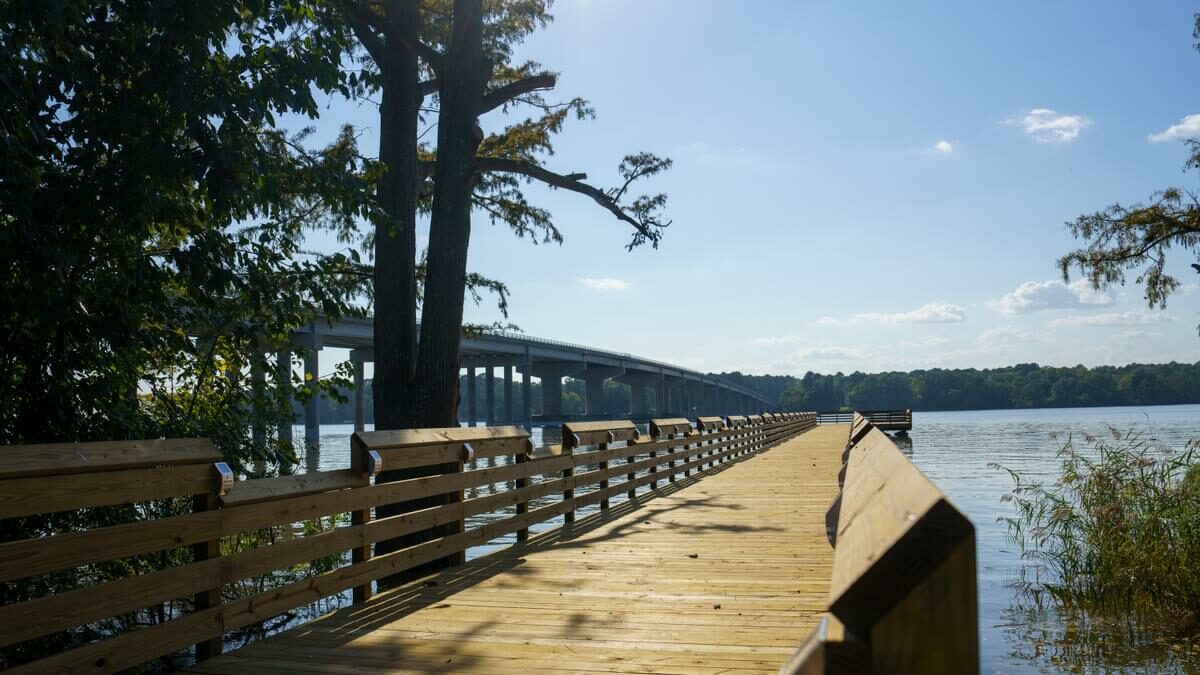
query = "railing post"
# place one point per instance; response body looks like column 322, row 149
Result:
column 569, row 493
column 367, row 465
column 207, row 550
column 523, row 505
column 632, row 492
column 671, row 462
column 603, row 482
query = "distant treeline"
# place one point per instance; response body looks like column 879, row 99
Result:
column 1025, row 385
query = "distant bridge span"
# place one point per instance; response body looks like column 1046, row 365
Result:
column 657, row 389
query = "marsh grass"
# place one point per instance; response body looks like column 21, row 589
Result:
column 1117, row 534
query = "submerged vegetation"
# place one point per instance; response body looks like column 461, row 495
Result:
column 1117, row 534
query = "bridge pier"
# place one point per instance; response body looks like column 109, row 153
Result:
column 489, row 395
column 508, row 395
column 359, row 357
column 283, row 370
column 594, row 377
column 551, row 375
column 527, row 390
column 312, row 411
column 638, row 407
column 472, row 409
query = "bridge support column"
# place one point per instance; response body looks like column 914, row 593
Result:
column 489, row 395
column 283, row 370
column 551, row 375
column 312, row 411
column 472, row 395
column 594, row 378
column 508, row 395
column 359, row 357
column 638, row 407
column 527, row 391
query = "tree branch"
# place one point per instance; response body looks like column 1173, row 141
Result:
column 495, row 99
column 360, row 21
column 573, row 182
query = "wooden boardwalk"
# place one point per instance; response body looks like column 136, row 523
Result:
column 726, row 574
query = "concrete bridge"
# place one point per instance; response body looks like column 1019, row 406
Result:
column 657, row 389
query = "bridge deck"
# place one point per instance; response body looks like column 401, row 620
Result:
column 724, row 574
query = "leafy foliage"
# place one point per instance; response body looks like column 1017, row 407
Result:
column 1118, row 238
column 152, row 217
column 1117, row 532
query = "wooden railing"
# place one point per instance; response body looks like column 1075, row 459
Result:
column 191, row 596
column 886, row 420
column 903, row 598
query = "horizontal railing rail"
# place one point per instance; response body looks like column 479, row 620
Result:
column 887, row 420
column 192, row 592
column 903, row 596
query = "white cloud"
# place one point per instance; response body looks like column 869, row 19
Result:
column 605, row 284
column 1036, row 295
column 1113, row 319
column 832, row 354
column 1047, row 126
column 723, row 157
column 931, row 341
column 943, row 147
column 1008, row 336
column 774, row 341
column 1188, row 127
column 930, row 312
column 1138, row 334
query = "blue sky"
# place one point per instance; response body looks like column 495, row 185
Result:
column 857, row 186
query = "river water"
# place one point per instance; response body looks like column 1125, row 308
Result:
column 955, row 449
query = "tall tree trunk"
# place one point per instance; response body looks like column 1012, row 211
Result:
column 395, row 267
column 463, row 78
column 395, row 242
column 433, row 392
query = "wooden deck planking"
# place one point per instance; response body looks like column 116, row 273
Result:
column 723, row 574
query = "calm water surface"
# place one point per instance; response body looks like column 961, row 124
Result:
column 954, row 449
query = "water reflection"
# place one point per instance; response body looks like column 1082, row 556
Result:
column 904, row 443
column 955, row 451
column 1055, row 641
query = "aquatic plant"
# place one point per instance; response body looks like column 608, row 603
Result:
column 1116, row 533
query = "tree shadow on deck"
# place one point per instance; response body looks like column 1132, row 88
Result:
column 367, row 636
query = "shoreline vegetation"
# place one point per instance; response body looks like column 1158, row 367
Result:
column 1111, row 544
column 1023, row 386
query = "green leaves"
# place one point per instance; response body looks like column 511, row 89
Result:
column 152, row 217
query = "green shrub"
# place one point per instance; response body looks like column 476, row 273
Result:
column 1117, row 533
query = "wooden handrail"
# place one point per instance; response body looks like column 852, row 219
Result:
column 903, row 583
column 608, row 455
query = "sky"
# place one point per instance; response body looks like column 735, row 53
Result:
column 857, row 186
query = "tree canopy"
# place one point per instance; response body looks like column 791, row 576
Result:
column 152, row 214
column 452, row 60
column 1119, row 238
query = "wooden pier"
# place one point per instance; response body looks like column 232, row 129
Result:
column 720, row 558
column 884, row 420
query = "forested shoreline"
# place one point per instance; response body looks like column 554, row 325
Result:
column 1025, row 385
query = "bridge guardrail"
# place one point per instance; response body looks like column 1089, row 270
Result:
column 903, row 593
column 70, row 477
